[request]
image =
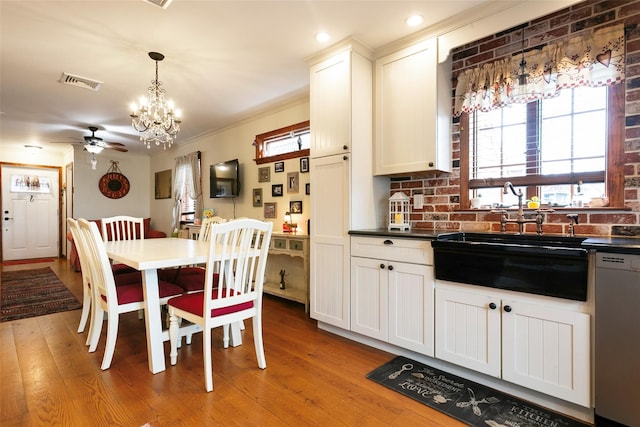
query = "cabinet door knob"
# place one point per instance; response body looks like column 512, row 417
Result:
column 492, row 306
column 507, row 308
column 382, row 266
column 388, row 242
column 390, row 267
column 430, row 164
column 345, row 157
column 345, row 147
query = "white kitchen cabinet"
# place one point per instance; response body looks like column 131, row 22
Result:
column 331, row 104
column 547, row 349
column 392, row 300
column 530, row 343
column 344, row 193
column 468, row 331
column 329, row 240
column 369, row 297
column 413, row 111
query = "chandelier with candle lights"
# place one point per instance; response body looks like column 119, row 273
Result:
column 154, row 117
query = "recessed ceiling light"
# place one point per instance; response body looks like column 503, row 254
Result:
column 322, row 37
column 414, row 20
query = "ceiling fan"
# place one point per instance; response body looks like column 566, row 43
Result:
column 95, row 144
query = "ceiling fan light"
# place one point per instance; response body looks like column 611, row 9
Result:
column 94, row 149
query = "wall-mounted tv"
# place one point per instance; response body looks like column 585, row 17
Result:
column 224, row 179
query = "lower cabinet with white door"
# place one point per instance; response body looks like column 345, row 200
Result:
column 392, row 289
column 540, row 343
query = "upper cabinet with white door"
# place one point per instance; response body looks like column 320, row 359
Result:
column 331, row 104
column 412, row 111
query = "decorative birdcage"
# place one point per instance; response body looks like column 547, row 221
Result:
column 399, row 212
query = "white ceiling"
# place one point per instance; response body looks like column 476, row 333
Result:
column 224, row 60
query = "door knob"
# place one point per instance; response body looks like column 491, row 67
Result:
column 507, row 308
column 6, row 218
column 492, row 306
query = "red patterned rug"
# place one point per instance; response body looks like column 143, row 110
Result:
column 31, row 293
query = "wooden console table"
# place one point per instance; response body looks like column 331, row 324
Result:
column 289, row 252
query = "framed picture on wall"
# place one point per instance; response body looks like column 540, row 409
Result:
column 304, row 164
column 264, row 174
column 278, row 167
column 295, row 207
column 293, row 179
column 257, row 197
column 163, row 184
column 270, row 210
column 276, row 190
column 307, row 188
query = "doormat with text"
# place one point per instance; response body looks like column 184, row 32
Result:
column 464, row 400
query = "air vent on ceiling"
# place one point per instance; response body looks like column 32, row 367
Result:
column 161, row 3
column 70, row 79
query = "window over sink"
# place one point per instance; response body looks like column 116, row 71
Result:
column 562, row 150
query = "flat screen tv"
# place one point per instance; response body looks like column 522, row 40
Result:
column 224, row 179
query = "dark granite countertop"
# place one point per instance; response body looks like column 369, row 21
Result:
column 625, row 245
column 409, row 234
column 619, row 245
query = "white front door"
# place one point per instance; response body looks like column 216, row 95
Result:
column 30, row 200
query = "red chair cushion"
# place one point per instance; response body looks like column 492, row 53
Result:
column 133, row 292
column 194, row 303
column 127, row 278
column 122, row 269
column 191, row 279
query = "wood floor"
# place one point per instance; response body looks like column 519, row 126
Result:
column 48, row 378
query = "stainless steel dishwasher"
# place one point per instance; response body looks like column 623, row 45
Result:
column 617, row 339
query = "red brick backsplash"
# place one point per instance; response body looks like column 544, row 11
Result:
column 441, row 209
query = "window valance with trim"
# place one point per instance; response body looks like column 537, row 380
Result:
column 595, row 59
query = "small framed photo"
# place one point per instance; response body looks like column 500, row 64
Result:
column 270, row 210
column 257, row 197
column 295, row 207
column 304, row 164
column 264, row 174
column 293, row 179
column 276, row 190
column 278, row 167
column 307, row 188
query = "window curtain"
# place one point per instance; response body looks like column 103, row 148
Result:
column 187, row 177
column 595, row 59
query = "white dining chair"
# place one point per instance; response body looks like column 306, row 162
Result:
column 122, row 227
column 191, row 279
column 238, row 252
column 108, row 298
column 87, row 297
column 72, row 224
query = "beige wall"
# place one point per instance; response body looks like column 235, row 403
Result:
column 227, row 144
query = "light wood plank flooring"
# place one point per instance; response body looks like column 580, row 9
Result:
column 47, row 376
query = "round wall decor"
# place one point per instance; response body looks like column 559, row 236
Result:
column 114, row 184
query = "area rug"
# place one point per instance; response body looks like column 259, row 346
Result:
column 26, row 261
column 467, row 401
column 30, row 293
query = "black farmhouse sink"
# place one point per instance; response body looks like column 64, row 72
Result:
column 555, row 266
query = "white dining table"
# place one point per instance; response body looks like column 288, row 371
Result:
column 147, row 256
